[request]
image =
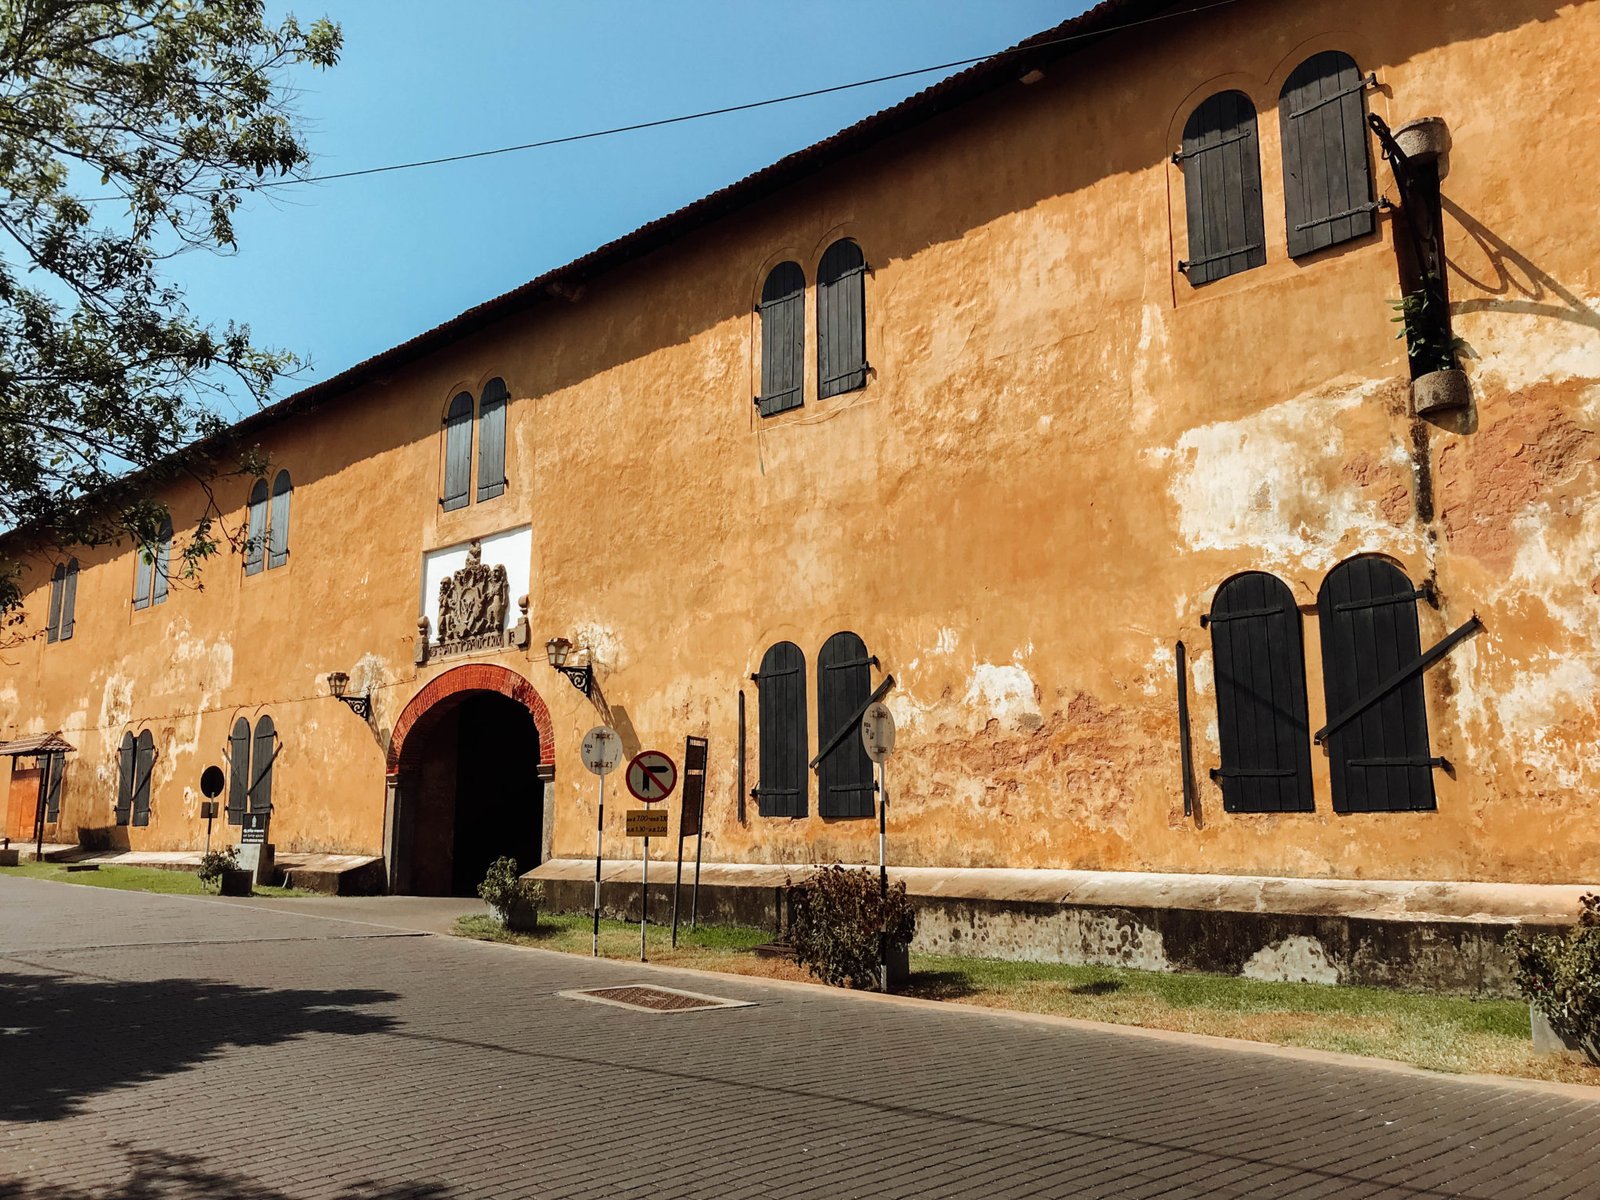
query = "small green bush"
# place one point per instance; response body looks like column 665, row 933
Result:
column 1559, row 974
column 214, row 862
column 836, row 917
column 514, row 900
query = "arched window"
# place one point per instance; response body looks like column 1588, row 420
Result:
column 150, row 568
column 238, row 771
column 492, row 440
column 1378, row 757
column 278, row 521
column 783, row 339
column 1221, row 163
column 458, row 453
column 841, row 320
column 255, row 547
column 781, row 712
column 844, row 684
column 1327, row 177
column 1260, row 669
column 144, row 768
column 262, row 753
column 127, row 768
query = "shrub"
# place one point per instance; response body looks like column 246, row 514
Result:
column 513, row 900
column 835, row 920
column 214, row 862
column 1559, row 973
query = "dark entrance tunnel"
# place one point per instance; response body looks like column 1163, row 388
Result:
column 468, row 792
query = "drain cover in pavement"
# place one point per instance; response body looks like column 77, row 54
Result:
column 654, row 999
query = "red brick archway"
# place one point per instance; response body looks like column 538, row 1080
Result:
column 476, row 677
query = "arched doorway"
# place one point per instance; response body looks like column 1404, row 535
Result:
column 468, row 763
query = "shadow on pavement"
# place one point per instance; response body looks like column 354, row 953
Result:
column 66, row 1037
column 155, row 1175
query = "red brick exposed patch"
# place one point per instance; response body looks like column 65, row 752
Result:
column 476, row 677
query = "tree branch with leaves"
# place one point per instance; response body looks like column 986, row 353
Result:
column 128, row 131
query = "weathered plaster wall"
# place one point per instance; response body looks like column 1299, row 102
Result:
column 1061, row 451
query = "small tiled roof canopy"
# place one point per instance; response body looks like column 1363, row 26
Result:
column 39, row 743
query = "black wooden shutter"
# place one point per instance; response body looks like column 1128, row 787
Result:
column 255, row 551
column 492, row 440
column 278, row 523
column 261, row 756
column 844, row 682
column 841, row 320
column 238, row 770
column 781, row 696
column 783, row 338
column 162, row 566
column 55, row 764
column 1260, row 668
column 1222, row 189
column 69, row 599
column 143, row 567
column 144, row 767
column 457, row 453
column 1378, row 760
column 126, row 761
column 1327, row 176
column 58, row 583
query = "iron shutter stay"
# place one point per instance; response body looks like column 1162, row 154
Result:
column 1419, row 664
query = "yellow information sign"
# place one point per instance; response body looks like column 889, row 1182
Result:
column 646, row 822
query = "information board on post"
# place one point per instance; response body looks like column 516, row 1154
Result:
column 645, row 822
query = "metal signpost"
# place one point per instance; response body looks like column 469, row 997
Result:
column 877, row 735
column 601, row 753
column 651, row 777
column 689, row 822
column 211, row 783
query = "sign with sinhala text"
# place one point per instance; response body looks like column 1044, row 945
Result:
column 255, row 829
column 646, row 822
column 877, row 732
column 601, row 750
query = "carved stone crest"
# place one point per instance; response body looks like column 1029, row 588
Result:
column 473, row 604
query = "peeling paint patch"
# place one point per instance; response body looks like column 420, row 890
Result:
column 1297, row 959
column 1287, row 462
column 1005, row 693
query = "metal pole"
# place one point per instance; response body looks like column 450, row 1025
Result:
column 699, row 841
column 677, row 883
column 644, row 896
column 883, row 881
column 599, row 823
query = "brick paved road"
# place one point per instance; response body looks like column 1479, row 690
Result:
column 165, row 1048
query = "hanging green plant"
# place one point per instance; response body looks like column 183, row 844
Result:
column 1425, row 325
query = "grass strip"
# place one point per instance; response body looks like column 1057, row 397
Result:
column 135, row 879
column 1443, row 1033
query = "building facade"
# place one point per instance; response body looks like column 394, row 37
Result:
column 1062, row 403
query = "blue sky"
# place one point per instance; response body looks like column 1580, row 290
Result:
column 337, row 272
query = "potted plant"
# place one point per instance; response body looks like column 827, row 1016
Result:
column 514, row 901
column 1559, row 974
column 221, row 869
column 1438, row 383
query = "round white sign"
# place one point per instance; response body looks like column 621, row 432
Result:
column 877, row 731
column 602, row 750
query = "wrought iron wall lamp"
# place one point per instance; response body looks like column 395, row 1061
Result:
column 556, row 650
column 361, row 705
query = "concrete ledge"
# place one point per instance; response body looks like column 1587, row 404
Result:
column 1442, row 936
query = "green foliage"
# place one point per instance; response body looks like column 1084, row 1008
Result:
column 1559, row 973
column 1425, row 324
column 129, row 132
column 836, row 917
column 214, row 862
column 507, row 892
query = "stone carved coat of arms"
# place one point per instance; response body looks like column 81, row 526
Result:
column 473, row 602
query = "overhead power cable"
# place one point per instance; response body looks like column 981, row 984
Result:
column 592, row 134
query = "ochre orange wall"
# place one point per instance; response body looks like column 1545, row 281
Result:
column 1061, row 451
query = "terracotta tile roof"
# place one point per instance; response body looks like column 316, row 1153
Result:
column 38, row 743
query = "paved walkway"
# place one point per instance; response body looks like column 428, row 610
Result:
column 173, row 1048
